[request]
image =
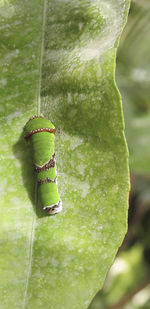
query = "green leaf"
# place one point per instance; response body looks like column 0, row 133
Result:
column 61, row 261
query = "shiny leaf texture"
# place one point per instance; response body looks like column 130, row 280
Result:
column 63, row 52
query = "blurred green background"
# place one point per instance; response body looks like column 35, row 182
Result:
column 127, row 285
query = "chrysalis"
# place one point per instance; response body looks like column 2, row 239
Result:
column 40, row 132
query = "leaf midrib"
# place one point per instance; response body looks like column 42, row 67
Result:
column 38, row 99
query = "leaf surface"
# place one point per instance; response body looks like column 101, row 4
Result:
column 61, row 261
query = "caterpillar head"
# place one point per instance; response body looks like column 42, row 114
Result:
column 53, row 209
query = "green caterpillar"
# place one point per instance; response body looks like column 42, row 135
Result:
column 40, row 132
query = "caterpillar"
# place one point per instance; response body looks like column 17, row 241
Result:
column 39, row 131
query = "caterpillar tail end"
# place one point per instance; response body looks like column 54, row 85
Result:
column 53, row 209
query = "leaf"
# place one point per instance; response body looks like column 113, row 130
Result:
column 61, row 261
column 133, row 79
